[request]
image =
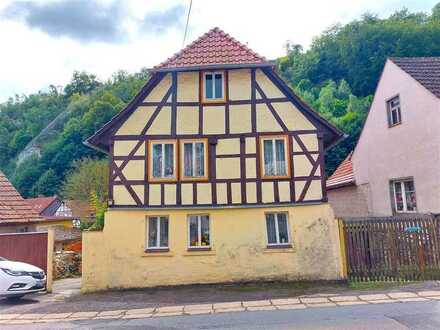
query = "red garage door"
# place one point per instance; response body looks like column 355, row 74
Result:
column 26, row 247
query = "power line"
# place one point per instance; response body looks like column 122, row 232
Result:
column 187, row 23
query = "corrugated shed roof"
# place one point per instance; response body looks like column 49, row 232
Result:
column 213, row 48
column 13, row 208
column 343, row 175
column 426, row 70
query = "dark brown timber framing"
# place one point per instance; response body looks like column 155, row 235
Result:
column 327, row 135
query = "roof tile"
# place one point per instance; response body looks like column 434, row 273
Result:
column 213, row 48
column 13, row 208
column 426, row 70
column 343, row 175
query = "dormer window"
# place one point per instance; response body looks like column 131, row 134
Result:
column 213, row 86
column 393, row 109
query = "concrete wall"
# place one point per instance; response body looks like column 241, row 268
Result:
column 115, row 257
column 350, row 201
column 17, row 228
column 410, row 149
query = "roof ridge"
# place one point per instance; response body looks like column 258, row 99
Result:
column 216, row 50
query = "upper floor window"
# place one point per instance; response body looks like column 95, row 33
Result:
column 404, row 194
column 157, row 232
column 393, row 108
column 163, row 160
column 194, row 162
column 213, row 86
column 274, row 156
column 277, row 229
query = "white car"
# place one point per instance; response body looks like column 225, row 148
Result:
column 19, row 278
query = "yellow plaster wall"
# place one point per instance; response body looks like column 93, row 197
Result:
column 284, row 191
column 187, row 87
column 204, row 194
column 251, row 168
column 228, row 146
column 250, row 145
column 222, row 194
column 162, row 123
column 251, row 192
column 121, row 196
column 228, row 168
column 291, row 116
column 137, row 121
column 214, row 120
column 301, row 165
column 267, row 86
column 158, row 92
column 170, row 194
column 154, row 194
column 310, row 141
column 267, row 192
column 134, row 170
column 240, row 84
column 266, row 122
column 236, row 193
column 313, row 193
column 240, row 118
column 187, row 193
column 115, row 257
column 187, row 120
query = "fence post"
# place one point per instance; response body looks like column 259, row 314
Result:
column 50, row 248
column 342, row 248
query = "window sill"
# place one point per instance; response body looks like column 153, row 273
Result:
column 199, row 252
column 288, row 248
column 157, row 253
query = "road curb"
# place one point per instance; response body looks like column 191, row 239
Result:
column 305, row 302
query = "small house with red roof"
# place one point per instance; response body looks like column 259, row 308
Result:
column 394, row 167
column 216, row 175
column 16, row 215
column 54, row 210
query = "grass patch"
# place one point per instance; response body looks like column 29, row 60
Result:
column 376, row 285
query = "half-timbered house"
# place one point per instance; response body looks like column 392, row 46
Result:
column 216, row 174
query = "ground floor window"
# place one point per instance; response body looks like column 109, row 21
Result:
column 404, row 195
column 277, row 229
column 199, row 231
column 158, row 232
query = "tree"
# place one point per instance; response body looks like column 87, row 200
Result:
column 87, row 176
column 46, row 185
column 81, row 83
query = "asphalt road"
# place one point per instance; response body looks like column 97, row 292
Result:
column 417, row 315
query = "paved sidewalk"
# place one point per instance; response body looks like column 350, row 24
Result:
column 303, row 302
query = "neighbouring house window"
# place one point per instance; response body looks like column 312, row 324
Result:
column 275, row 156
column 199, row 231
column 163, row 160
column 213, row 83
column 194, row 162
column 158, row 232
column 277, row 229
column 393, row 108
column 404, row 194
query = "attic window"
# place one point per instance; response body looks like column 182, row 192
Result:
column 393, row 109
column 213, row 86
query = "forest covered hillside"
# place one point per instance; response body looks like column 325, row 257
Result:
column 337, row 76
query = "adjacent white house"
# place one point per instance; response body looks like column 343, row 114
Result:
column 395, row 167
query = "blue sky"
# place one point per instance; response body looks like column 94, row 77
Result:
column 45, row 41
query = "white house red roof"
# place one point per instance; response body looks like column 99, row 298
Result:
column 343, row 175
column 213, row 48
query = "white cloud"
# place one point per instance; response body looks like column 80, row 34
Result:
column 32, row 59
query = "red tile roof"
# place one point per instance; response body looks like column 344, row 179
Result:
column 343, row 175
column 426, row 70
column 13, row 208
column 39, row 204
column 213, row 48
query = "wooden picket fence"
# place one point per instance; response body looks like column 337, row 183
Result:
column 401, row 248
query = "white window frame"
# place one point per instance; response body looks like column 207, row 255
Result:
column 286, row 156
column 391, row 109
column 214, row 98
column 205, row 158
column 199, row 231
column 157, row 245
column 162, row 170
column 403, row 191
column 277, row 233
